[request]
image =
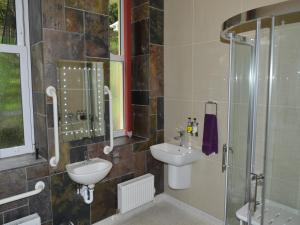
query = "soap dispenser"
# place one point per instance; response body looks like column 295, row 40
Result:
column 189, row 127
column 195, row 128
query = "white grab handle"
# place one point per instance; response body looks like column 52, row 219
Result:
column 108, row 149
column 39, row 186
column 51, row 92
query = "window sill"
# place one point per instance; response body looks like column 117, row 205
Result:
column 125, row 140
column 20, row 161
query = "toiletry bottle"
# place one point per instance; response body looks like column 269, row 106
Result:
column 195, row 127
column 192, row 128
column 189, row 127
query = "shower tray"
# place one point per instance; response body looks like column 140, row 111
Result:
column 275, row 214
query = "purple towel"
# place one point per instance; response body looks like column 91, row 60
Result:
column 210, row 135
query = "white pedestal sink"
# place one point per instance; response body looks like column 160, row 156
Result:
column 179, row 160
column 88, row 173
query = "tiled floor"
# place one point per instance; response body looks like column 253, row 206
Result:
column 163, row 213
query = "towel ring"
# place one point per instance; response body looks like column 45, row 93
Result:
column 211, row 103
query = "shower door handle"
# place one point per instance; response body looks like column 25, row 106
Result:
column 224, row 158
column 224, row 163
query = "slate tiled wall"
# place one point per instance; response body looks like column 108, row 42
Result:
column 148, row 78
column 78, row 30
column 148, row 69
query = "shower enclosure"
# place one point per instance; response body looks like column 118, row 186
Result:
column 262, row 155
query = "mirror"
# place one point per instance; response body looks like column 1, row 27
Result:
column 81, row 100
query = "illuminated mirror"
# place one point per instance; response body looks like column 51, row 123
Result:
column 81, row 100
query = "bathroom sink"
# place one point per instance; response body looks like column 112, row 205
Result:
column 179, row 160
column 89, row 172
column 174, row 154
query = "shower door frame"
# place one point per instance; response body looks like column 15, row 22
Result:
column 252, row 118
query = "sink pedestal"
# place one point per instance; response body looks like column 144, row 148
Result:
column 179, row 177
column 179, row 160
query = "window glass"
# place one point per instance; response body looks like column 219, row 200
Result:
column 16, row 125
column 115, row 32
column 117, row 65
column 116, row 86
column 8, row 22
column 11, row 116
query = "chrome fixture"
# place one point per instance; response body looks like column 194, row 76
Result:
column 224, row 153
column 259, row 180
column 211, row 103
column 287, row 13
column 181, row 136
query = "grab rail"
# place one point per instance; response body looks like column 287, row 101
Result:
column 108, row 149
column 51, row 92
column 39, row 187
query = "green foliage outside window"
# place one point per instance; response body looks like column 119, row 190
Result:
column 116, row 86
column 8, row 22
column 11, row 117
column 114, row 36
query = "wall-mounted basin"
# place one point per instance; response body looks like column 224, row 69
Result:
column 174, row 155
column 88, row 173
column 179, row 160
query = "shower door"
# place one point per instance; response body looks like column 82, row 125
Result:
column 249, row 72
column 241, row 61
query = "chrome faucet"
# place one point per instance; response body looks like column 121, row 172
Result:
column 180, row 138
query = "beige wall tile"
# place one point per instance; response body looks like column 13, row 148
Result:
column 209, row 16
column 284, row 192
column 210, row 71
column 178, row 72
column 252, row 4
column 178, row 22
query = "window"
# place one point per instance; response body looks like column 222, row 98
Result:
column 116, row 42
column 15, row 84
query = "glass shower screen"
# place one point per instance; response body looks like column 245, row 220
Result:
column 263, row 154
column 239, row 114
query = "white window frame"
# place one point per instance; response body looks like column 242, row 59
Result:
column 121, row 58
column 23, row 49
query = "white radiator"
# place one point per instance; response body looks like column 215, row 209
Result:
column 135, row 192
column 33, row 219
